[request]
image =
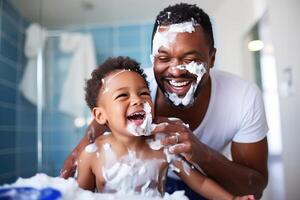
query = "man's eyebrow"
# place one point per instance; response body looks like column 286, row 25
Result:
column 193, row 52
column 162, row 51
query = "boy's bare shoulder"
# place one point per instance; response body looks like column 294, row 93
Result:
column 92, row 149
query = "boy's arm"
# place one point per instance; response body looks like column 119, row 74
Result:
column 203, row 185
column 86, row 178
column 93, row 131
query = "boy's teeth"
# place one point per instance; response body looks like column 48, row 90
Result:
column 178, row 84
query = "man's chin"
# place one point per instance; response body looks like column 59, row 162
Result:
column 179, row 105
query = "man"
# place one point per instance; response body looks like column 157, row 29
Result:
column 216, row 109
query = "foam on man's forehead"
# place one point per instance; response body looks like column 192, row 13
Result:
column 165, row 35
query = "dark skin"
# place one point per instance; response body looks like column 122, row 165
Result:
column 247, row 173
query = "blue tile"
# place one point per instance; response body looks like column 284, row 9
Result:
column 129, row 37
column 7, row 94
column 23, row 102
column 7, row 116
column 8, row 72
column 9, row 28
column 103, row 39
column 9, row 9
column 8, row 180
column 8, row 139
column 8, row 50
column 27, row 139
column 102, row 56
column 136, row 55
column 27, row 119
column 27, row 163
column 7, row 163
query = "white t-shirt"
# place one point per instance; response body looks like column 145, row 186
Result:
column 235, row 112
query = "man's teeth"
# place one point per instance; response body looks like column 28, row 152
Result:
column 178, row 84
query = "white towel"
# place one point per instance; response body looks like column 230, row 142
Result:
column 34, row 42
column 82, row 63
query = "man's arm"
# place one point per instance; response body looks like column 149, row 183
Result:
column 93, row 131
column 246, row 174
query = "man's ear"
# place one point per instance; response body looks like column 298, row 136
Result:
column 212, row 57
column 99, row 115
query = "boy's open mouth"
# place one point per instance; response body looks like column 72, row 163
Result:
column 137, row 117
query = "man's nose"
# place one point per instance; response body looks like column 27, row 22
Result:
column 177, row 68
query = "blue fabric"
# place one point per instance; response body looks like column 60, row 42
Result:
column 174, row 185
column 29, row 193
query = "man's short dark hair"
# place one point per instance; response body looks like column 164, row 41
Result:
column 183, row 12
column 94, row 84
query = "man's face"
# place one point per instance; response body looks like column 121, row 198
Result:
column 122, row 100
column 171, row 63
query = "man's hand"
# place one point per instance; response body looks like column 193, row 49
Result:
column 180, row 139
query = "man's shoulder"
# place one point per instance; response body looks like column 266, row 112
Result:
column 232, row 82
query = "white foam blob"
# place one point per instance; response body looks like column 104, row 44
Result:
column 107, row 133
column 155, row 143
column 91, row 148
column 173, row 119
column 194, row 68
column 70, row 190
column 128, row 173
column 165, row 38
column 146, row 127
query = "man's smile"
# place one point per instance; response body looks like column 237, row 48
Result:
column 179, row 86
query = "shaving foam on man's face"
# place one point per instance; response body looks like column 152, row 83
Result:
column 141, row 122
column 193, row 68
column 179, row 90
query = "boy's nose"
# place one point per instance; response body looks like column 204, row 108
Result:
column 136, row 100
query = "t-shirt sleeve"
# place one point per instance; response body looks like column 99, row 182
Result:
column 253, row 126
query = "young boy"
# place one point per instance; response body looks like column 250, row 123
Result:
column 123, row 160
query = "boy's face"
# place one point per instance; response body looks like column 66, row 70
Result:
column 121, row 101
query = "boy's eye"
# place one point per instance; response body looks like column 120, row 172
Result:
column 145, row 93
column 121, row 95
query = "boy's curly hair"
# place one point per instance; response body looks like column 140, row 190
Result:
column 94, row 84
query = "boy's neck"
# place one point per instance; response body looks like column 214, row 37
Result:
column 129, row 142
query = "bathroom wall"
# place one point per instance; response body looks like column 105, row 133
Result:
column 17, row 116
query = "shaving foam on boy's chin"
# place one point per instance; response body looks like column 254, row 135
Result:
column 146, row 127
column 193, row 68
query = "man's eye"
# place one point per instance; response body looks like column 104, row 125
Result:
column 123, row 95
column 189, row 60
column 163, row 58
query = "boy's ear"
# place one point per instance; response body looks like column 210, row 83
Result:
column 99, row 115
